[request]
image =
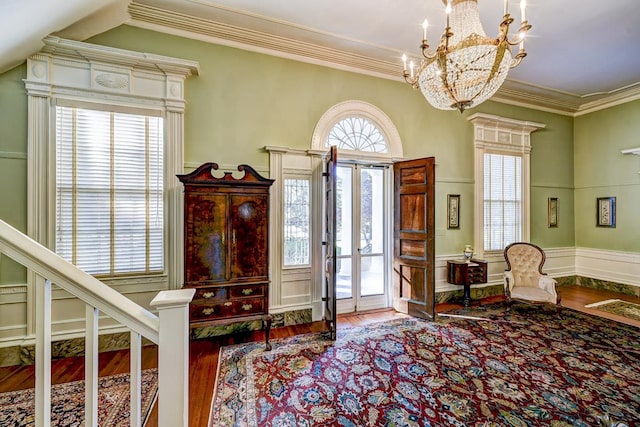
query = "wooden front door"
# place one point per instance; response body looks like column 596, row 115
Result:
column 330, row 242
column 414, row 237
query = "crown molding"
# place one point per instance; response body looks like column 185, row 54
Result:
column 373, row 62
column 171, row 22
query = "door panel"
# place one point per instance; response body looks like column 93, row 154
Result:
column 414, row 239
column 206, row 223
column 344, row 231
column 372, row 275
column 248, row 233
column 330, row 242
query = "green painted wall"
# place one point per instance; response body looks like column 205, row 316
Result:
column 602, row 171
column 13, row 163
column 243, row 101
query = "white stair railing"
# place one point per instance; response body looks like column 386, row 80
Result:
column 169, row 330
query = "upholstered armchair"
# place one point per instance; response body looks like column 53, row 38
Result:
column 524, row 280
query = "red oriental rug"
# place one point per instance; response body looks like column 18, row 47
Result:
column 67, row 402
column 530, row 367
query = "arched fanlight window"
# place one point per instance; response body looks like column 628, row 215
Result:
column 357, row 134
column 360, row 129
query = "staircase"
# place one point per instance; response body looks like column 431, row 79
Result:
column 168, row 330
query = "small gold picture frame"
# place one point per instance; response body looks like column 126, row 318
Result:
column 453, row 211
column 552, row 212
column 606, row 212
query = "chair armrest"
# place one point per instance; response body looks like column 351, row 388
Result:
column 509, row 280
column 549, row 285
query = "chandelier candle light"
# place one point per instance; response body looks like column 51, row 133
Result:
column 467, row 67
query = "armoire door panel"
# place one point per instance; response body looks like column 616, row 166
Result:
column 248, row 229
column 206, row 224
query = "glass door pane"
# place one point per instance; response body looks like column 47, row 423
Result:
column 344, row 231
column 371, row 232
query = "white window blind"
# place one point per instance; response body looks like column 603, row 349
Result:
column 297, row 224
column 502, row 200
column 109, row 191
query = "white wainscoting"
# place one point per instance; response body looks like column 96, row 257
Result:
column 611, row 266
column 295, row 289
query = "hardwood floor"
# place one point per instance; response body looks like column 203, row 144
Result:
column 204, row 353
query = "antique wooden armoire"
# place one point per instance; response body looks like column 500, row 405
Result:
column 226, row 237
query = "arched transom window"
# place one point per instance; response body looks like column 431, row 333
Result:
column 360, row 129
column 357, row 134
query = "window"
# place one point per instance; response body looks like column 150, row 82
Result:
column 109, row 191
column 502, row 200
column 105, row 146
column 357, row 134
column 502, row 193
column 297, row 231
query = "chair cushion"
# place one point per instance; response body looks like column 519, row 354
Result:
column 532, row 294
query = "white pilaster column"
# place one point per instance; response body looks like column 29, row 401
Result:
column 175, row 206
column 38, row 105
column 276, row 243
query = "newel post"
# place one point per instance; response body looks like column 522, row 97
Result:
column 173, row 357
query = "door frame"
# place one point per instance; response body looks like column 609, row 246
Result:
column 357, row 303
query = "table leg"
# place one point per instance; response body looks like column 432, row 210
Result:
column 466, row 297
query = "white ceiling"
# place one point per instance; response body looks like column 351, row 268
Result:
column 578, row 50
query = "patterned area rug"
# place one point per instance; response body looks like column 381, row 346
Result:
column 619, row 307
column 67, row 402
column 529, row 367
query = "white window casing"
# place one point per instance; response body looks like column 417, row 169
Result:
column 500, row 135
column 78, row 73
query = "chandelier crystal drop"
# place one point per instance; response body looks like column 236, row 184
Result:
column 467, row 67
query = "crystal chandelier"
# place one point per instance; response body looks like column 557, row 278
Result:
column 467, row 67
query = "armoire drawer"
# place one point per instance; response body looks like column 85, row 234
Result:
column 221, row 310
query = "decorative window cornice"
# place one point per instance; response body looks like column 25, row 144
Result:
column 71, row 68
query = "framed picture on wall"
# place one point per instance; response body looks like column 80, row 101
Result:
column 606, row 212
column 552, row 212
column 453, row 211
